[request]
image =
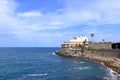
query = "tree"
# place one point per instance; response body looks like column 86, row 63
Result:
column 103, row 40
column 84, row 43
column 92, row 35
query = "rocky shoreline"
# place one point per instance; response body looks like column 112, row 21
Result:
column 112, row 63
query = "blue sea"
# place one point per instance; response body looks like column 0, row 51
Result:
column 41, row 63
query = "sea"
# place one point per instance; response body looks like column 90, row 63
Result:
column 41, row 63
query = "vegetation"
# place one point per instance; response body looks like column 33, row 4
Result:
column 92, row 35
column 103, row 40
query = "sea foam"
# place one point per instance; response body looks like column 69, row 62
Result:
column 53, row 53
column 112, row 74
column 33, row 75
column 81, row 62
column 79, row 68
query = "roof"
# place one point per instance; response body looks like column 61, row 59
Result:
column 79, row 39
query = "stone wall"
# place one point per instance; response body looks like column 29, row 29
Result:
column 95, row 49
column 104, row 53
column 100, row 45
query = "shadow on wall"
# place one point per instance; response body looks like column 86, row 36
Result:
column 116, row 46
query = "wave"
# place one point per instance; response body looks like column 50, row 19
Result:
column 112, row 75
column 79, row 68
column 81, row 62
column 76, row 62
column 53, row 53
column 34, row 75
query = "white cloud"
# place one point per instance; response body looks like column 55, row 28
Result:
column 30, row 14
column 56, row 23
column 103, row 11
column 108, row 4
column 35, row 24
column 22, row 24
column 6, row 7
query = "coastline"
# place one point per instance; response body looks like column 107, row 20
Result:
column 111, row 63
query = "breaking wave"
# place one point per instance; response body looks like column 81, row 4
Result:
column 36, row 75
column 53, row 53
column 81, row 62
column 112, row 75
column 79, row 68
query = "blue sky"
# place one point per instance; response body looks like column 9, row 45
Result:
column 48, row 23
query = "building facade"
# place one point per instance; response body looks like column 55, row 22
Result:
column 76, row 42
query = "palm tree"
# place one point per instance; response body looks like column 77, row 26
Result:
column 103, row 40
column 92, row 35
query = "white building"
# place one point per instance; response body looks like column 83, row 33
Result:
column 79, row 39
column 76, row 41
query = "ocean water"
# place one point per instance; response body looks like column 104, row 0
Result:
column 43, row 64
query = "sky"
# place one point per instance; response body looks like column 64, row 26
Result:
column 48, row 23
